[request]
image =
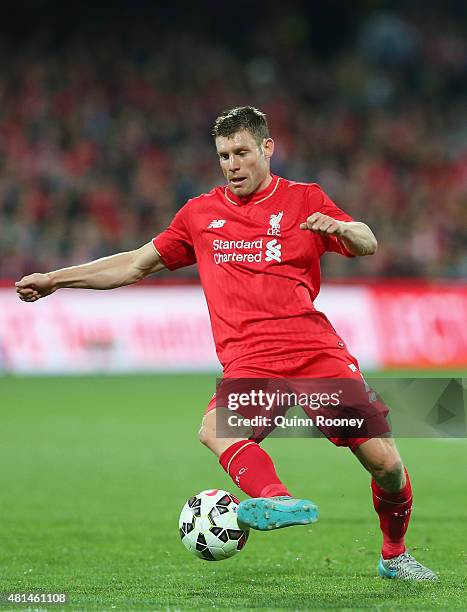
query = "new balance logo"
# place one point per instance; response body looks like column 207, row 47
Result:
column 273, row 251
column 216, row 223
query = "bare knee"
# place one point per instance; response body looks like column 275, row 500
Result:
column 381, row 458
column 389, row 473
column 208, row 435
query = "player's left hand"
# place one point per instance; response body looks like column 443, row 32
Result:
column 324, row 225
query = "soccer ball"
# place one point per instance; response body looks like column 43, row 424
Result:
column 209, row 528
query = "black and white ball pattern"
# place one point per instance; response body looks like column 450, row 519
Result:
column 209, row 527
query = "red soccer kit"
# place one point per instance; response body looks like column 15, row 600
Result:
column 261, row 274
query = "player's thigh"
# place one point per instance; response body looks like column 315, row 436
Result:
column 215, row 433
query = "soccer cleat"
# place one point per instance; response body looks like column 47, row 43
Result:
column 404, row 567
column 266, row 513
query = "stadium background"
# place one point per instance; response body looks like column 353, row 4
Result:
column 105, row 117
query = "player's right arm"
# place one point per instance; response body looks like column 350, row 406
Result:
column 105, row 273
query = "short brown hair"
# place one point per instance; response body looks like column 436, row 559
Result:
column 248, row 118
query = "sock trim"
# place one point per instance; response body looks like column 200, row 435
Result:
column 239, row 450
column 388, row 501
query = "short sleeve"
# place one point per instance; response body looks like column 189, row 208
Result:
column 175, row 244
column 320, row 202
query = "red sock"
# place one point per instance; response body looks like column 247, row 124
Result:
column 394, row 516
column 252, row 470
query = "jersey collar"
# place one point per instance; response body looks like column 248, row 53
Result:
column 256, row 197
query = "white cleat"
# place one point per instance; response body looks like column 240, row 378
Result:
column 405, row 567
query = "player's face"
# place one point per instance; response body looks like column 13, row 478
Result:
column 244, row 162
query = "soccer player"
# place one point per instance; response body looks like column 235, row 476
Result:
column 258, row 242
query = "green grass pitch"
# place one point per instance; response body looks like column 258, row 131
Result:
column 94, row 472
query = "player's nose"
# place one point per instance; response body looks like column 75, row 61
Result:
column 233, row 163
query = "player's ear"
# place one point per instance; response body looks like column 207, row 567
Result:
column 268, row 148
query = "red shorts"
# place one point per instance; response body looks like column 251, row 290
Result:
column 329, row 364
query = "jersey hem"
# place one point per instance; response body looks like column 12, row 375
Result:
column 288, row 357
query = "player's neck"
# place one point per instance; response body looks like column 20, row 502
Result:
column 259, row 191
column 263, row 185
column 264, row 190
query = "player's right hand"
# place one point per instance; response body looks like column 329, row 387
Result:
column 34, row 286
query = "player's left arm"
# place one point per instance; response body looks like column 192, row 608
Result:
column 356, row 236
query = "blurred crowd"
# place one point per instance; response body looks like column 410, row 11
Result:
column 104, row 138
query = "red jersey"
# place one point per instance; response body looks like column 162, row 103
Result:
column 260, row 272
